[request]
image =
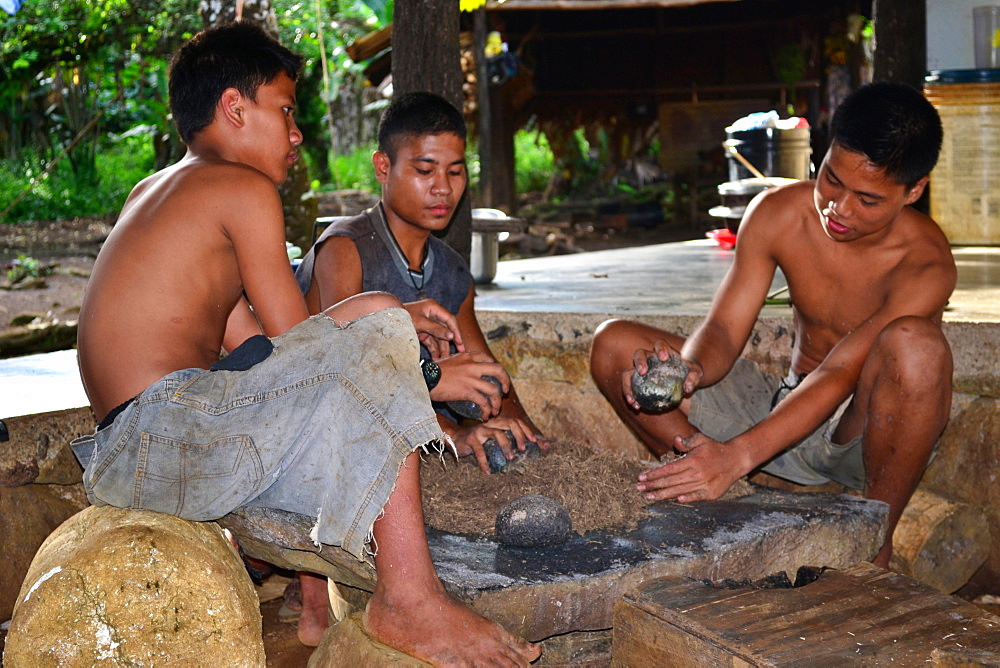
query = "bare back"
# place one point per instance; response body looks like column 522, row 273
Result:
column 172, row 272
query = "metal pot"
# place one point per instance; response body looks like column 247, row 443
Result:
column 736, row 195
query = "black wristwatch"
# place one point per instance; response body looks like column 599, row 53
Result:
column 432, row 373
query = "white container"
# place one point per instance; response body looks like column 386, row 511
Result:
column 487, row 226
column 986, row 37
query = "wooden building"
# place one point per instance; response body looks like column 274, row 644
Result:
column 667, row 74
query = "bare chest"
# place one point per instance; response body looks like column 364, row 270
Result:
column 832, row 297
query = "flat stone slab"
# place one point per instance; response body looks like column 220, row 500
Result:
column 541, row 592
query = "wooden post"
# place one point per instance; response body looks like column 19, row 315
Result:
column 900, row 42
column 940, row 540
column 484, row 122
column 426, row 57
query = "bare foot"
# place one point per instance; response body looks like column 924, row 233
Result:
column 315, row 617
column 443, row 632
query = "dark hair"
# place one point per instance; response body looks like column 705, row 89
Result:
column 416, row 115
column 238, row 55
column 892, row 125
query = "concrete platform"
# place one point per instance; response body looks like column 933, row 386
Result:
column 673, row 279
column 680, row 279
column 40, row 384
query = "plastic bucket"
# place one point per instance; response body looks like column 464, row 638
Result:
column 774, row 152
column 965, row 184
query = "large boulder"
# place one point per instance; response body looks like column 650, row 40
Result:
column 28, row 514
column 135, row 588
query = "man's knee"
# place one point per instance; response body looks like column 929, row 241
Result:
column 917, row 349
column 604, row 348
column 378, row 301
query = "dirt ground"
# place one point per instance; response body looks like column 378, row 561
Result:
column 66, row 250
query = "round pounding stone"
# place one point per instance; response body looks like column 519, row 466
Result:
column 662, row 386
column 533, row 520
column 468, row 409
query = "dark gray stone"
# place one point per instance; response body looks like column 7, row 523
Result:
column 533, row 520
column 468, row 409
column 662, row 386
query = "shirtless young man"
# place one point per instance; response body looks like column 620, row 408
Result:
column 195, row 247
column 868, row 277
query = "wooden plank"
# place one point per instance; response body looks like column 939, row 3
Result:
column 862, row 613
column 640, row 639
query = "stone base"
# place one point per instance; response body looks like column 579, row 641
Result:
column 133, row 587
column 347, row 644
column 542, row 592
column 28, row 514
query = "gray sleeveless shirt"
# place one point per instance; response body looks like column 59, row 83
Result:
column 445, row 277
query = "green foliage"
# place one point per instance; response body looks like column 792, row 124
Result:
column 343, row 22
column 64, row 64
column 61, row 195
column 534, row 163
column 23, row 267
column 355, row 171
column 61, row 63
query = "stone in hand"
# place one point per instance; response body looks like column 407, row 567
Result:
column 500, row 464
column 468, row 409
column 662, row 386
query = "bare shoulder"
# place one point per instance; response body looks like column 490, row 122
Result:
column 774, row 216
column 926, row 249
column 337, row 273
column 338, row 261
column 193, row 192
column 338, row 249
column 229, row 183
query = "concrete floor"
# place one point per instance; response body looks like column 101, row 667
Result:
column 680, row 279
column 663, row 279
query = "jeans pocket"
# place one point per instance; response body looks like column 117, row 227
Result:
column 84, row 448
column 197, row 481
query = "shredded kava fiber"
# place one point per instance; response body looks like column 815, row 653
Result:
column 596, row 488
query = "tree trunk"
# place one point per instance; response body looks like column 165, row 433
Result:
column 299, row 208
column 425, row 57
column 900, row 51
column 900, row 41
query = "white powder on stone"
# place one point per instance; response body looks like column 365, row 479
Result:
column 38, row 583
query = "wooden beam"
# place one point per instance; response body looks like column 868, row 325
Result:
column 493, row 5
column 371, row 44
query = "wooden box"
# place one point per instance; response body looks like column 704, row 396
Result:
column 862, row 615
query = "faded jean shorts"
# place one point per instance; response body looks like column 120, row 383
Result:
column 746, row 396
column 320, row 427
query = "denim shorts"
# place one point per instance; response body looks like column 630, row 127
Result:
column 746, row 396
column 320, row 428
